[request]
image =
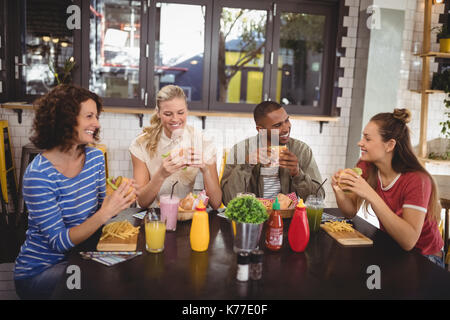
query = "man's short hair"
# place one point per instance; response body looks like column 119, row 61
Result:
column 265, row 107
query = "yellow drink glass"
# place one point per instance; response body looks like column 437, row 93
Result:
column 155, row 234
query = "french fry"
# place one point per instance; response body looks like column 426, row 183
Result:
column 119, row 229
column 337, row 226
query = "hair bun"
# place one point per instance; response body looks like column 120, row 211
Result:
column 403, row 115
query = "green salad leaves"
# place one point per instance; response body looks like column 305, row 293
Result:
column 246, row 209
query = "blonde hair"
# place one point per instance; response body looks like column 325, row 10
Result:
column 152, row 134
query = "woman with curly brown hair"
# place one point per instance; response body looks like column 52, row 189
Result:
column 400, row 191
column 63, row 188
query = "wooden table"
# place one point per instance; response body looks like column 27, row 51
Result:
column 326, row 270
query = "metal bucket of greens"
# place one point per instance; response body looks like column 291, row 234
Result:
column 247, row 216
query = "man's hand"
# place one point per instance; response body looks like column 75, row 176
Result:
column 289, row 161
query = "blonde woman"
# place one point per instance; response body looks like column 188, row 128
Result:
column 169, row 151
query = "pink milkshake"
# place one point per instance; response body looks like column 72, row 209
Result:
column 169, row 211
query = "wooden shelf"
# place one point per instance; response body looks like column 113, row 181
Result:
column 433, row 161
column 426, row 55
column 195, row 113
column 435, row 55
column 428, row 91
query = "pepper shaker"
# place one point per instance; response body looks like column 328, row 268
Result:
column 256, row 259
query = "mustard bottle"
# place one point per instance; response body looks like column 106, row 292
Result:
column 199, row 234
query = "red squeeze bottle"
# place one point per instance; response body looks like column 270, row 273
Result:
column 274, row 233
column 298, row 234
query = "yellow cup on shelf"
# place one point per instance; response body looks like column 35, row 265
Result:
column 444, row 45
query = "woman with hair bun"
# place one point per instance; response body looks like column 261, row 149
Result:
column 170, row 151
column 400, row 191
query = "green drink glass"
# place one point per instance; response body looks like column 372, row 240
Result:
column 314, row 209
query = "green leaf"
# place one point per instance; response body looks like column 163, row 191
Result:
column 246, row 209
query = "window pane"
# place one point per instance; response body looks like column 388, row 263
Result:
column 300, row 59
column 241, row 55
column 115, row 32
column 180, row 48
column 48, row 46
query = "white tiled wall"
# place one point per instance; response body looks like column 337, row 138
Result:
column 329, row 148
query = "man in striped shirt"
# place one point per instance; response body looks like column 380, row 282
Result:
column 255, row 165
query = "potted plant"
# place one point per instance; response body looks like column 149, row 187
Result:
column 443, row 36
column 247, row 215
column 445, row 125
column 65, row 71
column 440, row 146
column 441, row 80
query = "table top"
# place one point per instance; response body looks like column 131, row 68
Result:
column 326, row 270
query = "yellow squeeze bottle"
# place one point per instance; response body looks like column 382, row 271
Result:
column 199, row 235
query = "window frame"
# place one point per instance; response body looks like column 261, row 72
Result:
column 16, row 30
column 328, row 62
column 3, row 54
column 201, row 105
column 13, row 90
column 142, row 100
column 214, row 104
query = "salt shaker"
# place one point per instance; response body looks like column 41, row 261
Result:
column 243, row 261
column 256, row 259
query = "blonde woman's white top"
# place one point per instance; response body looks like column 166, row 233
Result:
column 189, row 137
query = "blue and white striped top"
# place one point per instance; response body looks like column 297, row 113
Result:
column 55, row 204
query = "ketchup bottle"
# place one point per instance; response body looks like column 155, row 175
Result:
column 274, row 233
column 298, row 234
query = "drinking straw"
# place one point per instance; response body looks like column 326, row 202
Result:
column 173, row 186
column 152, row 214
column 317, row 191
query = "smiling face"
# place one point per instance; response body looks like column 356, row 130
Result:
column 87, row 122
column 373, row 148
column 276, row 120
column 173, row 115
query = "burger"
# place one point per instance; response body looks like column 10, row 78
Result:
column 275, row 152
column 113, row 183
column 342, row 185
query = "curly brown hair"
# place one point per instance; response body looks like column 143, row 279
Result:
column 56, row 116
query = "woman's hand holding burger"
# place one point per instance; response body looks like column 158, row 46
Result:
column 350, row 181
column 120, row 199
column 172, row 162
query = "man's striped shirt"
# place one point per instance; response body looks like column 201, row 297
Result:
column 55, row 204
column 271, row 180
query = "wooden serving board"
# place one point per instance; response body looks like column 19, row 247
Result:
column 117, row 244
column 353, row 239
